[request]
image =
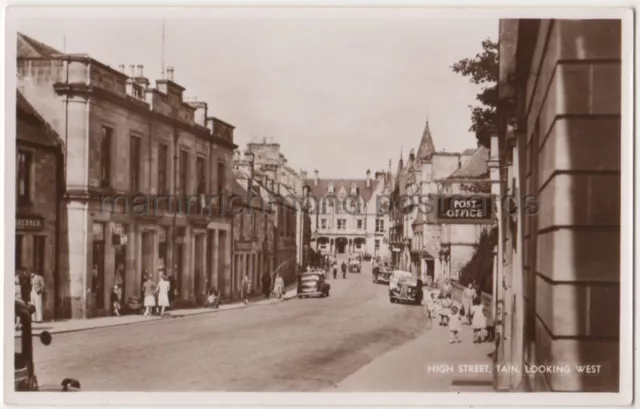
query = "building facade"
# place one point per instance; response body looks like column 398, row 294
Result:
column 350, row 215
column 142, row 164
column 39, row 164
column 560, row 86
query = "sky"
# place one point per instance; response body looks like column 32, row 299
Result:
column 340, row 91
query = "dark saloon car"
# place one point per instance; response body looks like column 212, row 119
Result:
column 408, row 290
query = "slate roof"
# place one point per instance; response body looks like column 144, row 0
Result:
column 322, row 189
column 30, row 126
column 28, row 47
column 426, row 148
column 469, row 151
column 476, row 167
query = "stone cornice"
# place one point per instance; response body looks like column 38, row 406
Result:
column 140, row 107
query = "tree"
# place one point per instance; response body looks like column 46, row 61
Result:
column 483, row 70
column 480, row 267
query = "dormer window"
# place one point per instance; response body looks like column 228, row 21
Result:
column 138, row 92
column 354, row 189
column 332, row 188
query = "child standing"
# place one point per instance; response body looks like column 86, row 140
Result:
column 445, row 311
column 478, row 320
column 455, row 321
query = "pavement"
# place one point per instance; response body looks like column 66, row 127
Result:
column 342, row 342
column 72, row 325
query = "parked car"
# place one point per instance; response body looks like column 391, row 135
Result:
column 383, row 275
column 25, row 379
column 396, row 275
column 313, row 284
column 354, row 266
column 407, row 290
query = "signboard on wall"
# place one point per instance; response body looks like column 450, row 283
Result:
column 465, row 209
column 29, row 223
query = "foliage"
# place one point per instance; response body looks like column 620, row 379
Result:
column 483, row 187
column 480, row 267
column 482, row 70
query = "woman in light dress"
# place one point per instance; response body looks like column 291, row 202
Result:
column 278, row 286
column 149, row 289
column 479, row 320
column 468, row 295
column 164, row 286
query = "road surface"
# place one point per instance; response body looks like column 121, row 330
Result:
column 297, row 345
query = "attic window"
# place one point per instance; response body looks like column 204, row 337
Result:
column 137, row 92
column 331, row 188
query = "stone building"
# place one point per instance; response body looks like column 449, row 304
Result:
column 350, row 215
column 136, row 155
column 284, row 186
column 39, row 164
column 420, row 244
column 560, row 86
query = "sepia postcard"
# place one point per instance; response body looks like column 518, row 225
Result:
column 318, row 206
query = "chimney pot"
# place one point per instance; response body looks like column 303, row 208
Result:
column 317, row 180
column 121, row 68
column 140, row 71
column 132, row 69
column 170, row 73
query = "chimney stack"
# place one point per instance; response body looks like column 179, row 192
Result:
column 412, row 154
column 317, row 179
column 303, row 175
column 368, row 178
column 139, row 71
column 132, row 70
column 170, row 73
column 121, row 68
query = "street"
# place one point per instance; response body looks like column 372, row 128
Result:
column 297, row 345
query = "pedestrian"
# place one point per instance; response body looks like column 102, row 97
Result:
column 116, row 296
column 245, row 288
column 344, row 270
column 335, row 271
column 25, row 285
column 37, row 288
column 430, row 306
column 266, row 285
column 149, row 290
column 479, row 321
column 468, row 294
column 445, row 311
column 278, row 286
column 163, row 289
column 455, row 319
column 491, row 328
column 447, row 288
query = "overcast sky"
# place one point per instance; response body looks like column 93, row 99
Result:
column 340, row 92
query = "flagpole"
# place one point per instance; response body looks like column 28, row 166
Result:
column 163, row 47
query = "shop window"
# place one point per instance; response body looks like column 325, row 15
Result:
column 105, row 156
column 23, row 175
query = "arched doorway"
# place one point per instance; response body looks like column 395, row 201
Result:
column 360, row 245
column 341, row 245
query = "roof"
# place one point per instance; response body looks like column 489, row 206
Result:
column 469, row 151
column 28, row 47
column 30, row 126
column 322, row 188
column 476, row 167
column 426, row 147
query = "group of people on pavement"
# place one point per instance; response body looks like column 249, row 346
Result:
column 29, row 287
column 270, row 286
column 471, row 311
column 156, row 295
column 343, row 268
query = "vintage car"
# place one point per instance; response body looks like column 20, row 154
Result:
column 407, row 290
column 25, row 379
column 382, row 275
column 354, row 266
column 313, row 284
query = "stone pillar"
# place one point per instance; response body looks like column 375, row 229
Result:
column 204, row 272
column 215, row 257
column 132, row 279
column 154, row 255
column 227, row 260
column 191, row 258
column 138, row 254
column 79, row 234
column 109, row 264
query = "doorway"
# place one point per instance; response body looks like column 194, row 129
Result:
column 341, row 245
column 97, row 278
column 199, row 267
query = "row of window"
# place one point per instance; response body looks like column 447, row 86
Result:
column 162, row 167
column 342, row 224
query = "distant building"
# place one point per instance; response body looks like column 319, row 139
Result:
column 350, row 215
column 39, row 184
column 124, row 139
